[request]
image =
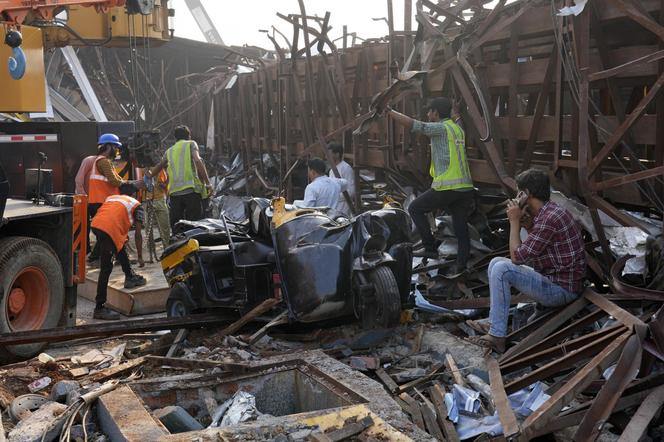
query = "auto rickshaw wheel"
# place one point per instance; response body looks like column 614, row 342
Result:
column 178, row 304
column 386, row 310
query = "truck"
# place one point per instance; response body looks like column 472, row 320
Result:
column 43, row 224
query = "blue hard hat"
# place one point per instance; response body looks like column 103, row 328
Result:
column 109, row 139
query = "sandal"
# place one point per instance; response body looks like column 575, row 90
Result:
column 490, row 342
column 481, row 327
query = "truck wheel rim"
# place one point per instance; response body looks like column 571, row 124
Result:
column 27, row 305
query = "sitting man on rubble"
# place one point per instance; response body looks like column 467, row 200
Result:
column 322, row 190
column 548, row 267
column 111, row 226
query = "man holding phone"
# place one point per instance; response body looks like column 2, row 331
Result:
column 548, row 267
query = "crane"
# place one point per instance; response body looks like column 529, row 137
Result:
column 16, row 11
column 204, row 22
column 42, row 247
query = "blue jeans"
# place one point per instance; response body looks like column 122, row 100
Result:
column 503, row 275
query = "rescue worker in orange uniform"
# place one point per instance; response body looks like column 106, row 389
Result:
column 104, row 180
column 111, row 226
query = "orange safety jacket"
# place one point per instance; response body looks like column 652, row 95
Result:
column 115, row 217
column 99, row 187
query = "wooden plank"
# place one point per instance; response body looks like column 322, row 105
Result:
column 505, row 412
column 415, row 382
column 113, row 328
column 614, row 71
column 454, row 370
column 548, row 353
column 627, row 179
column 147, row 299
column 414, row 410
column 280, row 319
column 430, row 420
column 350, row 429
column 591, row 371
column 437, row 394
column 549, row 327
column 177, row 342
column 542, row 99
column 614, row 310
column 659, row 110
column 512, row 98
column 572, row 328
column 636, row 14
column 112, row 372
column 643, row 416
column 492, row 151
column 600, row 410
column 261, row 308
column 188, row 363
column 392, row 386
column 618, row 134
column 568, row 360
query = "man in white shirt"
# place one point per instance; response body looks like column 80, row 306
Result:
column 322, row 190
column 346, row 172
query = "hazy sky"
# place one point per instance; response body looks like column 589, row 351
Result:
column 238, row 21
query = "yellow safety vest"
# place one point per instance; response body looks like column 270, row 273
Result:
column 457, row 174
column 181, row 172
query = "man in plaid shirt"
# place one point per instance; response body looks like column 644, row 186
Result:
column 548, row 267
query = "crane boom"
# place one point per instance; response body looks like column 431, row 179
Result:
column 204, row 22
column 17, row 10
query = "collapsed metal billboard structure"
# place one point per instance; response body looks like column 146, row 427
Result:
column 577, row 95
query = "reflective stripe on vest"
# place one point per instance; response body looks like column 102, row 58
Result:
column 99, row 187
column 95, row 175
column 115, row 218
column 181, row 173
column 457, row 175
column 128, row 202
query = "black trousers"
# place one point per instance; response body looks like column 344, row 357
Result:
column 92, row 211
column 454, row 202
column 106, row 252
column 188, row 206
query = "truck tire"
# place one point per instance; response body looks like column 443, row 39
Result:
column 386, row 311
column 32, row 291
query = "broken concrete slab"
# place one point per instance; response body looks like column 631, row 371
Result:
column 123, row 417
column 31, row 428
column 464, row 353
column 378, row 400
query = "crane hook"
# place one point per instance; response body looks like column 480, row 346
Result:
column 17, row 62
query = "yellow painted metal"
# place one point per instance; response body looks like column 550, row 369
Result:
column 115, row 27
column 175, row 258
column 29, row 93
column 338, row 418
column 282, row 215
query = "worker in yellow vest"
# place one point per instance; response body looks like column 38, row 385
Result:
column 451, row 187
column 188, row 182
